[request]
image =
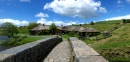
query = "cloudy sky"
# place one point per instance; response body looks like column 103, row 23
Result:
column 62, row 12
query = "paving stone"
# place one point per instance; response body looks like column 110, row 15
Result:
column 61, row 53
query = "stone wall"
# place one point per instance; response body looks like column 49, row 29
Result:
column 30, row 52
column 83, row 53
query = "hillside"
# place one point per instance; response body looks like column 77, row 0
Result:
column 103, row 25
column 115, row 48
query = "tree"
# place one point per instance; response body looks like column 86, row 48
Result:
column 32, row 25
column 92, row 23
column 8, row 29
column 53, row 28
column 124, row 21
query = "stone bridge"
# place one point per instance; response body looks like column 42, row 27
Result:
column 52, row 49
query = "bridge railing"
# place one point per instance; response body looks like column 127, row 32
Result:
column 84, row 53
column 30, row 52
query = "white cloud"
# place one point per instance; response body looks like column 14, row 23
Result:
column 102, row 9
column 58, row 23
column 46, row 22
column 25, row 0
column 41, row 15
column 119, row 17
column 80, row 8
column 15, row 22
column 119, row 1
column 128, row 1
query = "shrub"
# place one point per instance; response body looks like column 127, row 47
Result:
column 8, row 29
column 12, row 41
column 92, row 23
column 71, row 34
column 3, row 42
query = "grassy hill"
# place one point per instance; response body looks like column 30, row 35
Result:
column 115, row 48
column 103, row 25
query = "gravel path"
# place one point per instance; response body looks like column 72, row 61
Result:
column 61, row 53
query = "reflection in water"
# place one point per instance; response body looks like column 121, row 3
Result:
column 4, row 47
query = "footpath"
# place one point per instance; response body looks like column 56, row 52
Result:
column 61, row 53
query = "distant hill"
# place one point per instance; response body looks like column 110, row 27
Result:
column 104, row 25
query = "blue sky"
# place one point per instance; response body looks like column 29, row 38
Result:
column 63, row 12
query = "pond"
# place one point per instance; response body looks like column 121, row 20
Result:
column 2, row 48
column 4, row 39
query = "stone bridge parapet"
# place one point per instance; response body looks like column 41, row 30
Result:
column 84, row 53
column 30, row 52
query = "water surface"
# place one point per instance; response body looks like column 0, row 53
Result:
column 2, row 48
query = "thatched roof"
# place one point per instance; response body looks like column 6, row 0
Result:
column 78, row 28
column 68, row 28
column 89, row 30
column 59, row 27
column 41, row 27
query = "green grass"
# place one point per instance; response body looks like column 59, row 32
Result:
column 65, row 36
column 120, row 39
column 88, row 41
column 103, row 26
column 28, row 40
column 23, row 31
column 120, row 59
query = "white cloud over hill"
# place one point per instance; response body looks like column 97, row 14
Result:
column 15, row 22
column 119, row 17
column 79, row 8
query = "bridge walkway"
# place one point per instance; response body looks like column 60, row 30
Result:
column 61, row 53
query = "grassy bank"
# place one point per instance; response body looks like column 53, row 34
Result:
column 19, row 40
column 27, row 40
column 103, row 26
column 115, row 48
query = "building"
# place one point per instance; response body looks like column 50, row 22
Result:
column 88, row 32
column 80, row 30
column 40, row 29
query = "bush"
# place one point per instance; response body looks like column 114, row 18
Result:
column 3, row 42
column 12, row 41
column 15, row 40
column 92, row 23
column 71, row 34
column 17, row 43
column 8, row 29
